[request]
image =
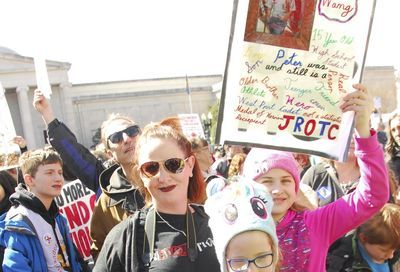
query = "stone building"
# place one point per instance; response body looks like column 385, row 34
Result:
column 83, row 107
column 381, row 82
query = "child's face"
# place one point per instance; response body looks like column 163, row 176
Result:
column 249, row 245
column 48, row 181
column 282, row 187
column 379, row 253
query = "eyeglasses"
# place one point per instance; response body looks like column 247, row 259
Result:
column 117, row 137
column 242, row 264
column 173, row 165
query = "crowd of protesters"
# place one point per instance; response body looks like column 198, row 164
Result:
column 168, row 203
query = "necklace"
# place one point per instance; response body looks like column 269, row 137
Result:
column 169, row 225
column 150, row 230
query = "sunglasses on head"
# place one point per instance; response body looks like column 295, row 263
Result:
column 117, row 137
column 173, row 165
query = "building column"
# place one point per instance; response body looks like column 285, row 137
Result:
column 67, row 107
column 26, row 116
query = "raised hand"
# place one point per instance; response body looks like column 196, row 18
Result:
column 42, row 105
column 361, row 103
column 20, row 141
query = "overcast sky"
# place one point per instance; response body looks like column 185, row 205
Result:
column 123, row 40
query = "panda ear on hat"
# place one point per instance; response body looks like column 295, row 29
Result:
column 216, row 185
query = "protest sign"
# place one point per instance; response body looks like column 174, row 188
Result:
column 8, row 151
column 42, row 77
column 7, row 130
column 76, row 203
column 191, row 125
column 289, row 64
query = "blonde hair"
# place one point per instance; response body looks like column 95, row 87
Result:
column 32, row 159
column 236, row 164
column 9, row 159
column 275, row 249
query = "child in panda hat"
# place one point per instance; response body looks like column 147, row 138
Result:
column 242, row 225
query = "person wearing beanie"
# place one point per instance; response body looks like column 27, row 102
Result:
column 242, row 225
column 305, row 236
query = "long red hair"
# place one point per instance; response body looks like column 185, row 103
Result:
column 196, row 189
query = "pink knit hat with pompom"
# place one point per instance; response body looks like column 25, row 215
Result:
column 259, row 161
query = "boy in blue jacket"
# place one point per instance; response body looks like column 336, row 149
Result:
column 34, row 234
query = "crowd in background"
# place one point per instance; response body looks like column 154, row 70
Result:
column 153, row 182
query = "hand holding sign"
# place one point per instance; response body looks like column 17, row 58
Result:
column 42, row 78
column 19, row 140
column 42, row 105
column 361, row 103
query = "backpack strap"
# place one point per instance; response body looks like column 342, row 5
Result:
column 149, row 235
column 199, row 209
column 191, row 236
column 332, row 173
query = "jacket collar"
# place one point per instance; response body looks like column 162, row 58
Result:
column 113, row 181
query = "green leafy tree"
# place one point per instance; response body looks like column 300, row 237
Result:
column 214, row 109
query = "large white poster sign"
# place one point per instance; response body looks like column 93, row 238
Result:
column 7, row 129
column 7, row 133
column 289, row 64
column 76, row 203
column 42, row 77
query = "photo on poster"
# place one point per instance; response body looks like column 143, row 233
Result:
column 285, row 23
column 284, row 90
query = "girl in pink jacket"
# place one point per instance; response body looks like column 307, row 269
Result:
column 305, row 236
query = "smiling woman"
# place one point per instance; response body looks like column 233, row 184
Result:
column 170, row 234
column 160, row 143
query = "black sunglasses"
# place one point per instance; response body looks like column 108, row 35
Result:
column 242, row 264
column 173, row 165
column 117, row 137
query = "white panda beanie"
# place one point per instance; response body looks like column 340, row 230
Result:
column 240, row 206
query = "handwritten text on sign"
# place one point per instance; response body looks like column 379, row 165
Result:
column 304, row 109
column 76, row 203
column 283, row 85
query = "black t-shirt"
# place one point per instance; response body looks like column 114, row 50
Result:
column 170, row 250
